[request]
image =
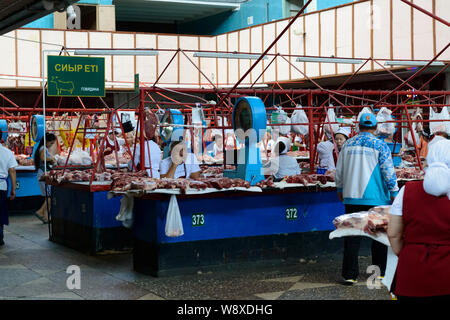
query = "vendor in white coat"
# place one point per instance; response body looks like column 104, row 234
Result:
column 180, row 163
column 152, row 151
column 281, row 165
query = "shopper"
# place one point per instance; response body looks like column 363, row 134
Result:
column 42, row 156
column 282, row 165
column 419, row 230
column 180, row 163
column 365, row 177
column 7, row 165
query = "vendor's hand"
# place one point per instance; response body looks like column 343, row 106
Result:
column 12, row 195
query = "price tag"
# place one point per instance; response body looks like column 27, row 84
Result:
column 291, row 214
column 198, row 219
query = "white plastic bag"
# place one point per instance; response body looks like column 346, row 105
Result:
column 299, row 116
column 384, row 128
column 280, row 117
column 330, row 129
column 409, row 139
column 440, row 126
column 126, row 211
column 174, row 224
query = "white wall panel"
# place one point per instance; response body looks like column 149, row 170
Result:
column 344, row 37
column 123, row 66
column 222, row 64
column 327, row 42
column 102, row 40
column 208, row 65
column 381, row 31
column 256, row 46
column 244, row 46
column 233, row 68
column 312, row 43
column 171, row 74
column 146, row 65
column 401, row 21
column 269, row 36
column 362, row 32
column 442, row 31
column 297, row 48
column 189, row 74
column 423, row 31
column 28, row 57
column 8, row 58
column 283, row 48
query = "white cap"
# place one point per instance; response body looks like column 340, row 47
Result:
column 286, row 142
column 345, row 131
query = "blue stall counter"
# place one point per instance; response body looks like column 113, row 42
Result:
column 232, row 227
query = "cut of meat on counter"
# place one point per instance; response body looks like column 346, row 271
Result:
column 53, row 177
column 306, row 179
column 267, row 183
column 124, row 158
column 296, row 154
column 409, row 174
column 409, row 158
column 24, row 160
column 371, row 222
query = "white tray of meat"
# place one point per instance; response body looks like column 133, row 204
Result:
column 372, row 224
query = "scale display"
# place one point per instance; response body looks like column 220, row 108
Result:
column 249, row 113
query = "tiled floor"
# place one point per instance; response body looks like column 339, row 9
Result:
column 32, row 267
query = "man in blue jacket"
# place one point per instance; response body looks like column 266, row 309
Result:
column 365, row 178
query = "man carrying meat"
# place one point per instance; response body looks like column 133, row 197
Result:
column 365, row 178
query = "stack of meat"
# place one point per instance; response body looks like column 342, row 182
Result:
column 306, row 179
column 56, row 176
column 304, row 165
column 372, row 222
column 124, row 158
column 267, row 183
column 16, row 143
column 409, row 158
column 296, row 154
column 139, row 181
column 24, row 160
column 330, row 175
column 409, row 174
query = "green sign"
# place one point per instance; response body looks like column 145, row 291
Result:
column 291, row 214
column 75, row 76
column 198, row 219
column 136, row 83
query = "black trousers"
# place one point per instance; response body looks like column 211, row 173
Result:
column 350, row 266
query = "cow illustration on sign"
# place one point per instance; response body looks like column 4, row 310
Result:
column 63, row 85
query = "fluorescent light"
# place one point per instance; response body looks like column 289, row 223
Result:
column 413, row 63
column 328, row 60
column 116, row 52
column 227, row 55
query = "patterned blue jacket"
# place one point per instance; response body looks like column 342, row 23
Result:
column 365, row 172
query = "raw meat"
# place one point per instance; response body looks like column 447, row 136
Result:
column 409, row 173
column 371, row 222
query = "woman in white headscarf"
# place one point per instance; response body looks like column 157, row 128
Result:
column 325, row 149
column 281, row 165
column 419, row 230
